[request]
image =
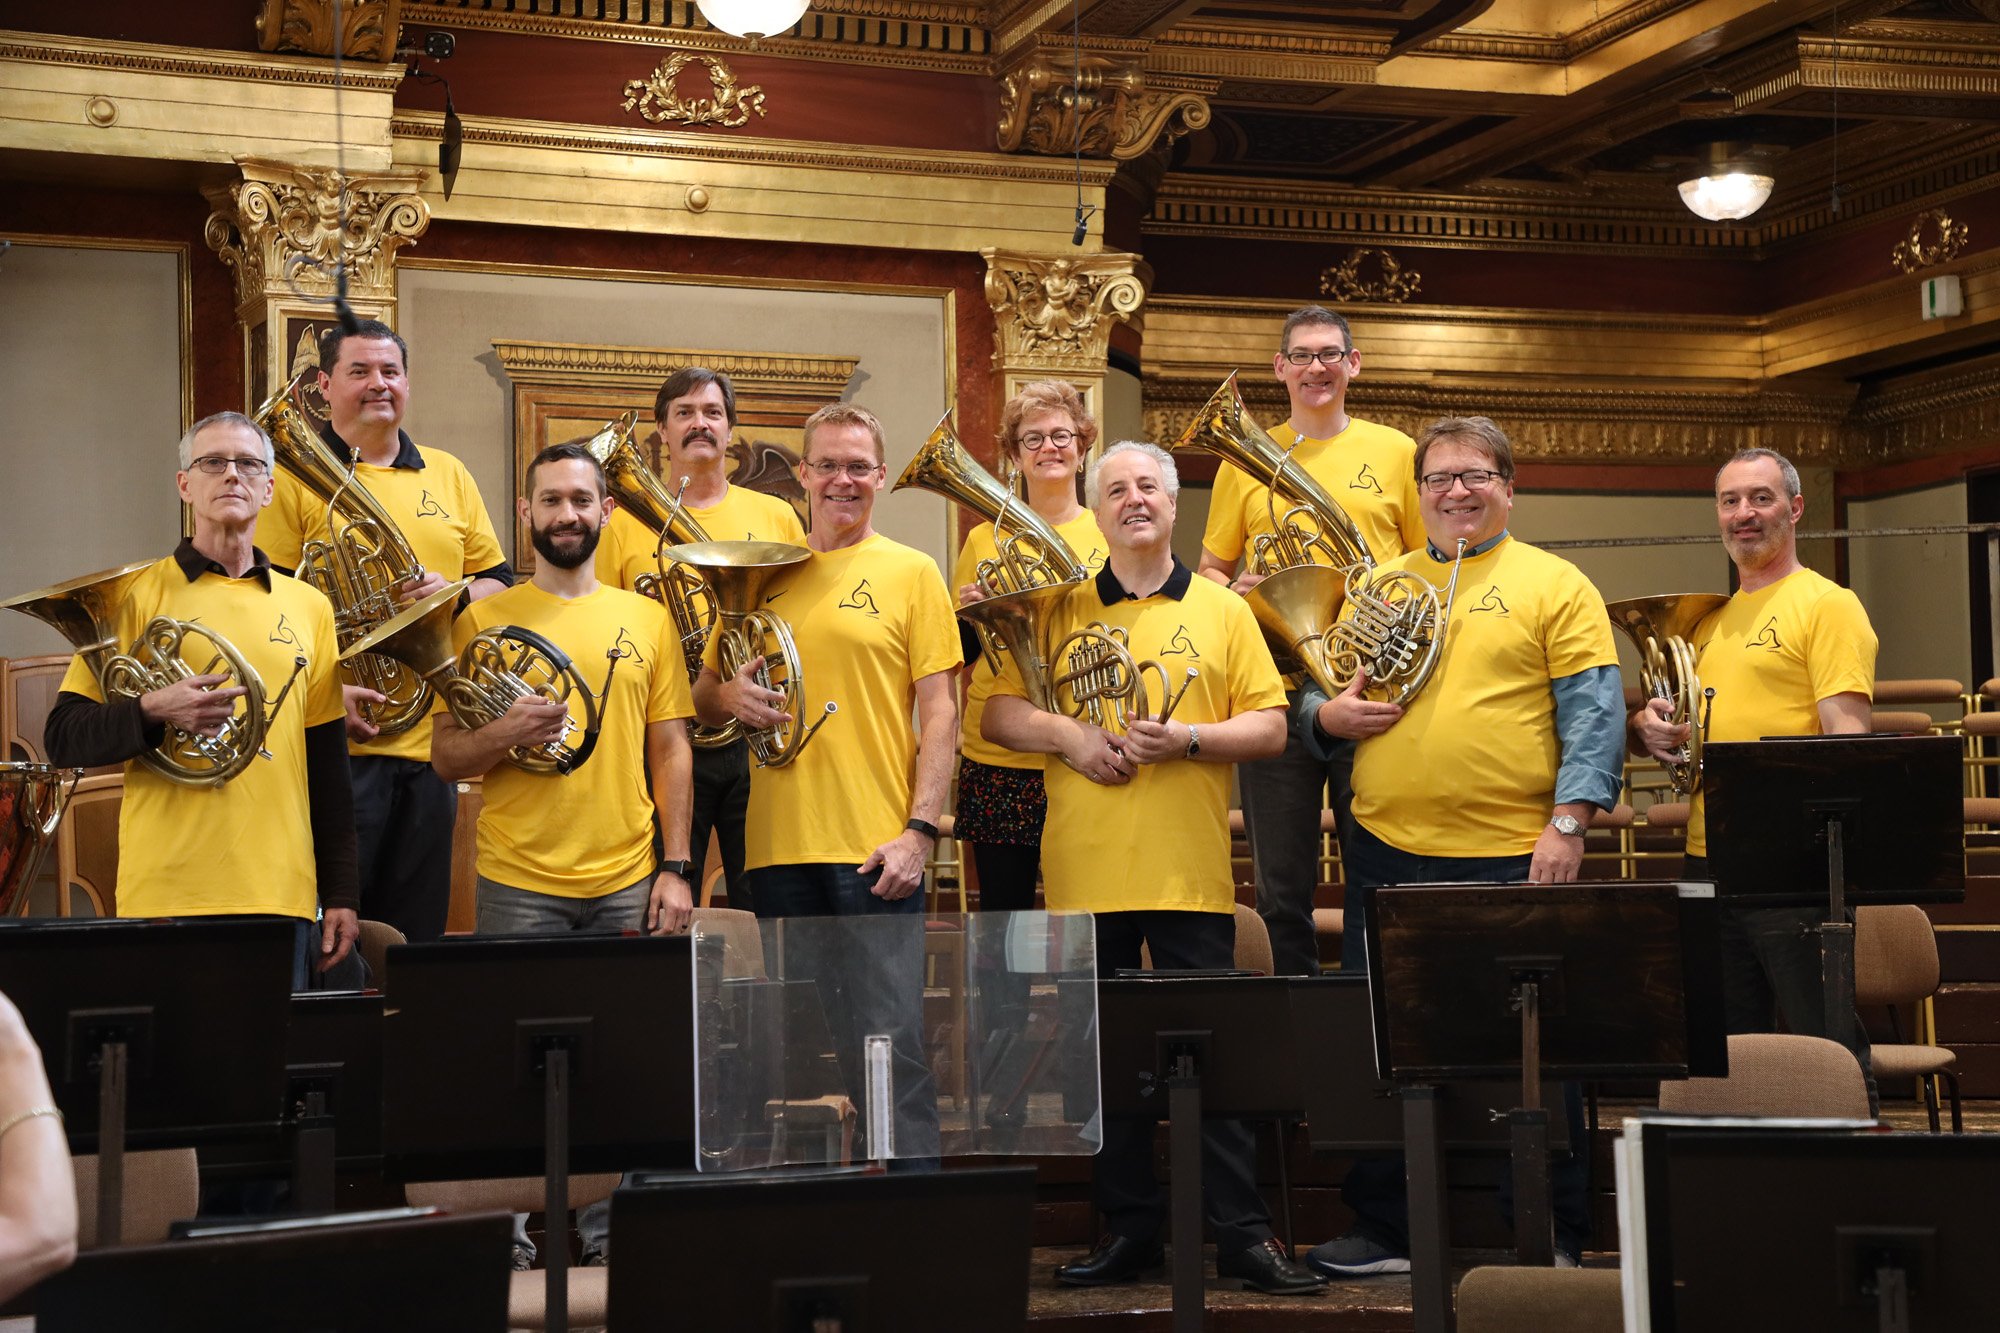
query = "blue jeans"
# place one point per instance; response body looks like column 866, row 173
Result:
column 1374, row 1188
column 870, row 980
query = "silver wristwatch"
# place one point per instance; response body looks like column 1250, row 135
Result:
column 1567, row 825
column 1194, row 741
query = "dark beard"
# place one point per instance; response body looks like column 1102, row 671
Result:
column 545, row 546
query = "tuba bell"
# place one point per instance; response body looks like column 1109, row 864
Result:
column 32, row 800
column 1314, row 561
column 1663, row 629
column 738, row 574
column 497, row 667
column 85, row 611
column 1032, row 570
column 360, row 564
column 640, row 493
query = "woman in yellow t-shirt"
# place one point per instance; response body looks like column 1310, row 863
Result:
column 1045, row 434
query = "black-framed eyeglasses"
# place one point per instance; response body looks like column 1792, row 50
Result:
column 250, row 469
column 1474, row 479
column 826, row 467
column 1034, row 439
column 1326, row 356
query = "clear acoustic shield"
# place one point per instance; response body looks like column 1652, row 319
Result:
column 823, row 1040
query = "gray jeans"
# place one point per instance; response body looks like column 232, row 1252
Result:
column 1282, row 798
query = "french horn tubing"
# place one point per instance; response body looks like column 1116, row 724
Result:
column 1663, row 628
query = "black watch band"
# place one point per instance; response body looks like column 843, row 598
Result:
column 923, row 826
column 685, row 869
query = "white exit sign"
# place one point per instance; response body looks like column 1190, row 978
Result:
column 1943, row 297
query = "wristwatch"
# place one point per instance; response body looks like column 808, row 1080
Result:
column 685, row 869
column 923, row 826
column 1194, row 741
column 1567, row 825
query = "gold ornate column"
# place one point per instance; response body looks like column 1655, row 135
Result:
column 281, row 232
column 1120, row 111
column 1053, row 316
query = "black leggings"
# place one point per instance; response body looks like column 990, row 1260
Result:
column 1007, row 873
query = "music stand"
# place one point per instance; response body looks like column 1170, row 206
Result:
column 1185, row 1047
column 155, row 1034
column 507, row 1055
column 1830, row 1229
column 1833, row 821
column 1589, row 980
column 409, row 1271
column 865, row 1252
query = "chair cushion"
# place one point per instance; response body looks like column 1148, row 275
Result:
column 588, row 1298
column 1909, row 1061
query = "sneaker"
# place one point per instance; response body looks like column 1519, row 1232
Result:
column 524, row 1260
column 595, row 1258
column 1567, row 1259
column 1354, row 1255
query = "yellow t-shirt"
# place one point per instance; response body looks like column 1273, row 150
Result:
column 1161, row 841
column 247, row 845
column 1086, row 542
column 1771, row 656
column 1369, row 470
column 588, row 832
column 438, row 510
column 870, row 621
column 1470, row 767
column 626, row 549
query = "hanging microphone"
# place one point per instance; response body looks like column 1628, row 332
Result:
column 350, row 324
column 1082, row 226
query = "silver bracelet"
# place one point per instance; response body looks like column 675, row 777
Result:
column 28, row 1114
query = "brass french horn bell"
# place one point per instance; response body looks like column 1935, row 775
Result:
column 1663, row 629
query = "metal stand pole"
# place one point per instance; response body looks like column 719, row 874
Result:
column 555, row 1193
column 1430, row 1249
column 313, row 1155
column 111, row 1144
column 1184, row 1159
column 1836, row 943
column 1534, row 1222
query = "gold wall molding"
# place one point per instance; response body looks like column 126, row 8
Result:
column 1197, row 50
column 1370, row 274
column 816, row 378
column 1934, row 239
column 657, row 96
column 147, row 58
column 1931, row 413
column 1053, row 315
column 1115, row 112
column 368, row 28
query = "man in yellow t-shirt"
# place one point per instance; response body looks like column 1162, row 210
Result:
column 1366, row 468
column 1490, row 775
column 1138, row 833
column 278, row 838
column 695, row 412
column 403, row 811
column 1790, row 654
column 845, row 828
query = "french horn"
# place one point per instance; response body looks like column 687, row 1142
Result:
column 498, row 666
column 32, row 800
column 360, row 563
column 738, row 575
column 1663, row 629
column 1100, row 682
column 85, row 611
column 1032, row 570
column 640, row 493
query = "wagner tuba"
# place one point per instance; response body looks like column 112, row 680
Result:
column 85, row 610
column 360, row 564
column 1663, row 628
column 32, row 800
column 1314, row 561
column 640, row 493
column 1032, row 570
column 739, row 574
column 497, row 667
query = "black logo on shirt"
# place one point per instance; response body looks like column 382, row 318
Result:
column 774, row 596
column 284, row 633
column 428, row 507
column 1767, row 638
column 861, row 600
column 1095, row 560
column 1364, row 480
column 625, row 648
column 1181, row 644
column 1492, row 601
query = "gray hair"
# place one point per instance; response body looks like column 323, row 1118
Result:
column 1785, row 469
column 224, row 419
column 1169, row 474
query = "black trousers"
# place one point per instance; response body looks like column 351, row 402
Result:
column 1122, row 1183
column 721, row 800
column 403, row 816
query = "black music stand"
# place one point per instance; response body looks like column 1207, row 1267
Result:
column 406, row 1271
column 1579, row 981
column 1827, row 1229
column 862, row 1251
column 508, row 1055
column 155, row 1034
column 1833, row 821
column 1185, row 1046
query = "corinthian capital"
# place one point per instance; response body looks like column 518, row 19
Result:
column 281, row 230
column 1120, row 111
column 1055, row 312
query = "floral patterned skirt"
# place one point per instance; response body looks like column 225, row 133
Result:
column 999, row 804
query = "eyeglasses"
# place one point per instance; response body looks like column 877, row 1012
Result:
column 247, row 468
column 1035, row 439
column 1475, row 479
column 1326, row 356
column 826, row 467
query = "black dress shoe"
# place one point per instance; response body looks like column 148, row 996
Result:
column 1266, row 1267
column 1116, row 1259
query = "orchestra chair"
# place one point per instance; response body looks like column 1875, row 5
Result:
column 161, row 1188
column 742, row 942
column 1253, row 943
column 525, row 1194
column 710, row 882
column 87, row 845
column 1540, row 1300
column 1776, row 1074
column 31, row 687
column 462, row 916
column 1896, row 722
column 373, row 946
column 1896, row 963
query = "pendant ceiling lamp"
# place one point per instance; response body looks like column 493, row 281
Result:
column 1726, row 195
column 752, row 18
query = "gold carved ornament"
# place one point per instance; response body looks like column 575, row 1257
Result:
column 368, row 28
column 1349, row 280
column 288, row 225
column 1046, row 108
column 1934, row 239
column 658, row 99
column 1054, row 307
